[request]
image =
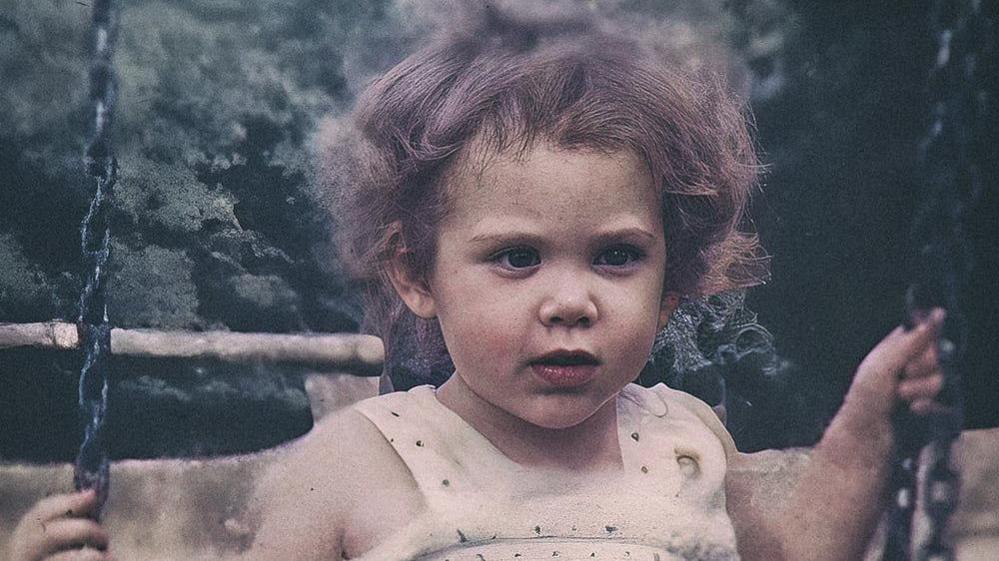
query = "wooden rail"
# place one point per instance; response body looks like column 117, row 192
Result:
column 346, row 350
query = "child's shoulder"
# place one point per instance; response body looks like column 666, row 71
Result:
column 680, row 407
column 419, row 401
column 343, row 450
column 343, row 478
column 349, row 444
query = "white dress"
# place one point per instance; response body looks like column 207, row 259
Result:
column 668, row 502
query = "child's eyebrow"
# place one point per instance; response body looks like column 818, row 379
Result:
column 626, row 233
column 605, row 236
column 504, row 237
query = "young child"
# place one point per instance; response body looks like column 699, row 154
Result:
column 540, row 197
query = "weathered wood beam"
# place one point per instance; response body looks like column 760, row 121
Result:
column 345, row 350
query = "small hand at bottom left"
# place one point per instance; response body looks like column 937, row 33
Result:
column 61, row 528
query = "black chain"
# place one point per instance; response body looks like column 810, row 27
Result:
column 91, row 468
column 951, row 185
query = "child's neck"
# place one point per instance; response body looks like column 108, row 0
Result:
column 590, row 446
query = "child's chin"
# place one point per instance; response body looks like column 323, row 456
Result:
column 561, row 418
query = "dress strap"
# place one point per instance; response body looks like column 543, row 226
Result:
column 703, row 411
column 446, row 456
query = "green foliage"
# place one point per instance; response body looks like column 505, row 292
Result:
column 214, row 224
column 23, row 288
column 154, row 284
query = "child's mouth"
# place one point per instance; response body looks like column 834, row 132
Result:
column 565, row 369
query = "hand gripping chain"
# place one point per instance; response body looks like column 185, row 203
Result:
column 951, row 185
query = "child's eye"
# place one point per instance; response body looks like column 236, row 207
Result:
column 618, row 256
column 517, row 258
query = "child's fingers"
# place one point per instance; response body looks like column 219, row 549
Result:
column 73, row 533
column 923, row 338
column 904, row 346
column 926, row 406
column 887, row 361
column 78, row 504
column 925, row 387
column 926, row 364
column 86, row 554
column 876, row 384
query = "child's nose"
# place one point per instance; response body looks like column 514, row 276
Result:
column 570, row 305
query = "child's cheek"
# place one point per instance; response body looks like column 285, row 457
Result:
column 483, row 337
column 632, row 331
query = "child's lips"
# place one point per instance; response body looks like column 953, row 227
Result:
column 564, row 375
column 565, row 368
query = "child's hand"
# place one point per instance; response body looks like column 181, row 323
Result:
column 903, row 366
column 59, row 528
column 849, row 468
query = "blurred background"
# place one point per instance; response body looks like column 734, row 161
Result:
column 217, row 223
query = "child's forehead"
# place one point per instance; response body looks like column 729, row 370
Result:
column 484, row 157
column 547, row 182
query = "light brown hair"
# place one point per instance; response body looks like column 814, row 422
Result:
column 503, row 84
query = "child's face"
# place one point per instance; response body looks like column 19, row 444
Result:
column 548, row 281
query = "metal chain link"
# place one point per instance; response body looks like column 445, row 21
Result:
column 91, row 470
column 951, row 185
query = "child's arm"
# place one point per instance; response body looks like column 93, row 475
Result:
column 836, row 504
column 60, row 528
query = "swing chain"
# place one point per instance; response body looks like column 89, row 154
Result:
column 91, row 469
column 951, row 185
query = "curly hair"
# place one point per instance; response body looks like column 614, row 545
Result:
column 503, row 83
